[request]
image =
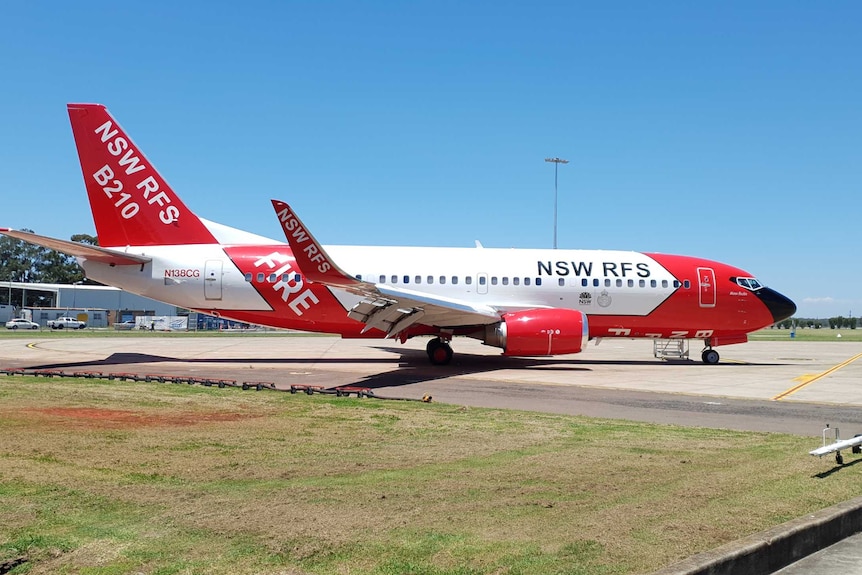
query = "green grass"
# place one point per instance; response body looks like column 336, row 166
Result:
column 808, row 334
column 109, row 477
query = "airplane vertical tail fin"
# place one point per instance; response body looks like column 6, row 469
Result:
column 132, row 204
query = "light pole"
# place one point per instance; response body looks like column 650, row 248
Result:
column 75, row 294
column 556, row 162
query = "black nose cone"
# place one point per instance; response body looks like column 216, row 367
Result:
column 781, row 307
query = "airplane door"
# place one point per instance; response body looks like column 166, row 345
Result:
column 212, row 279
column 706, row 281
column 481, row 283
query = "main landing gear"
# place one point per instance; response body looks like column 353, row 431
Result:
column 439, row 352
column 710, row 356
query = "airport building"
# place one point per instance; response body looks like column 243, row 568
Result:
column 103, row 305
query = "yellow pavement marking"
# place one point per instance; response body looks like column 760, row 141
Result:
column 811, row 378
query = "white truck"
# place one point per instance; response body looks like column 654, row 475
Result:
column 66, row 322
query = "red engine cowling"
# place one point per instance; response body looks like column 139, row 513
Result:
column 540, row 332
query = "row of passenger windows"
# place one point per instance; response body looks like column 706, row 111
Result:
column 483, row 280
column 272, row 278
column 454, row 280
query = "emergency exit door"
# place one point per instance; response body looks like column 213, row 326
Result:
column 212, row 279
column 706, row 282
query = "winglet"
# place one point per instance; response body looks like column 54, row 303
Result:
column 313, row 261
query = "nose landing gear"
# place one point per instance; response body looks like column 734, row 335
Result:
column 710, row 356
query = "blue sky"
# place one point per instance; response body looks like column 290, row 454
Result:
column 728, row 130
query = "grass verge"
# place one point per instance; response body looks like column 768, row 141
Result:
column 100, row 477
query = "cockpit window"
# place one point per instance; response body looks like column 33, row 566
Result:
column 749, row 283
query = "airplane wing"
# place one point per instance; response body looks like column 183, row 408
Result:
column 76, row 249
column 387, row 308
column 837, row 446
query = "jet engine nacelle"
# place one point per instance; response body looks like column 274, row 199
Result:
column 540, row 332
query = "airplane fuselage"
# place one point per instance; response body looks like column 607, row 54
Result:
column 623, row 293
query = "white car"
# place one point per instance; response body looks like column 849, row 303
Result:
column 19, row 323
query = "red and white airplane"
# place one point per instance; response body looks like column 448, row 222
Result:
column 535, row 302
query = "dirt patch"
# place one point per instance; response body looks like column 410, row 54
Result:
column 122, row 419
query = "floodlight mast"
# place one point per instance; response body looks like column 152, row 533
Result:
column 556, row 162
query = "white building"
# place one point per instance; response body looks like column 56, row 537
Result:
column 104, row 305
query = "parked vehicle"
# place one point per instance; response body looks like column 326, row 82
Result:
column 66, row 322
column 125, row 325
column 20, row 323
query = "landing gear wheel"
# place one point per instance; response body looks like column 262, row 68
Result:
column 839, row 459
column 710, row 356
column 439, row 352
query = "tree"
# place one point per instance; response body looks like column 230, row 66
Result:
column 85, row 239
column 28, row 263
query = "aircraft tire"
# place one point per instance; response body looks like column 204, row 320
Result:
column 839, row 459
column 439, row 352
column 710, row 356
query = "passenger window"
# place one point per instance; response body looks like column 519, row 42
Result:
column 516, row 281
column 259, row 277
column 584, row 282
column 653, row 283
column 686, row 284
column 248, row 276
column 407, row 279
column 481, row 280
column 359, row 277
column 493, row 280
column 442, row 279
column 505, row 281
column 538, row 281
column 383, row 279
column 430, row 279
column 664, row 283
column 455, row 280
column 596, row 282
column 526, row 281
column 631, row 283
column 418, row 279
column 642, row 283
column 297, row 278
column 285, row 277
column 607, row 282
column 676, row 283
column 561, row 282
column 619, row 282
column 467, row 280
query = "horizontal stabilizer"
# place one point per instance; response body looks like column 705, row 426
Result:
column 88, row 252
